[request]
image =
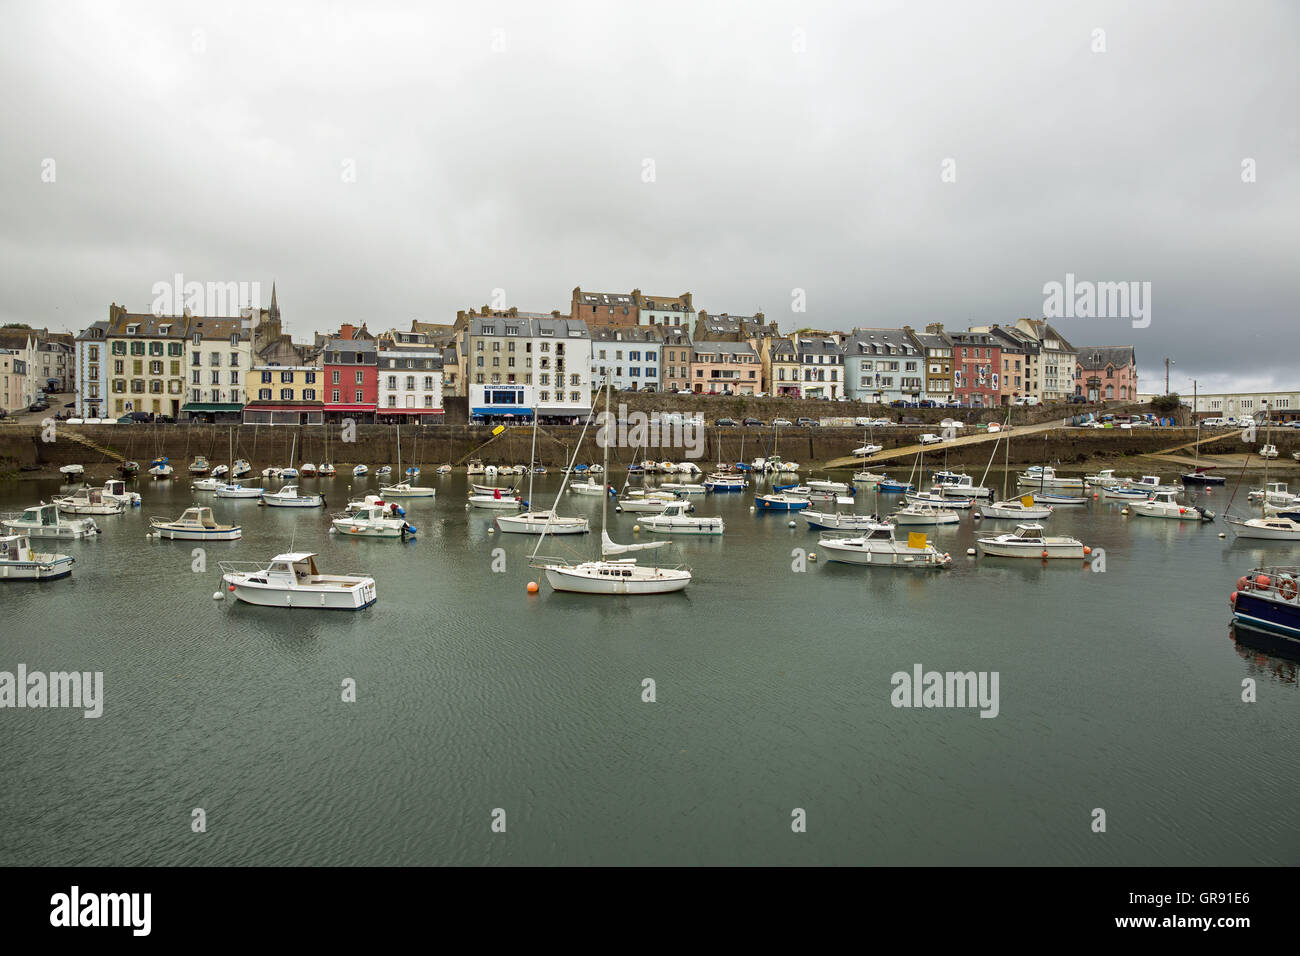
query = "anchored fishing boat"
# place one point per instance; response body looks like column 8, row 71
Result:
column 237, row 489
column 937, row 500
column 373, row 518
column 674, row 519
column 780, row 502
column 288, row 497
column 833, row 521
column 879, row 547
column 18, row 562
column 725, row 483
column 194, row 524
column 924, row 514
column 1045, row 478
column 44, row 521
column 1268, row 599
column 538, row 521
column 160, row 469
column 360, row 471
column 644, row 501
column 292, row 580
column 240, row 469
column 72, row 471
column 1163, row 503
column 199, row 466
column 1022, row 509
column 89, row 501
column 115, row 490
column 1028, row 541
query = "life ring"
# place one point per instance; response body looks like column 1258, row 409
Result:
column 1286, row 586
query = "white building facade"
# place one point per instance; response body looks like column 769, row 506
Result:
column 92, row 371
column 410, row 383
column 631, row 356
column 518, row 363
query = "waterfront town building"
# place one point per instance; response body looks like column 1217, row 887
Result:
column 146, row 358
column 1056, row 359
column 883, row 365
column 937, row 350
column 91, row 371
column 677, row 349
column 521, row 361
column 21, row 346
column 821, row 366
column 351, row 370
column 630, row 355
column 663, row 309
column 284, row 395
column 14, row 389
column 409, row 379
column 218, row 355
column 1104, row 373
column 977, row 359
column 780, row 367
column 726, row 368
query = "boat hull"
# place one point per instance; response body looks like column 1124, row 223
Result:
column 49, row 567
column 1266, row 614
column 539, row 524
column 1003, row 549
column 883, row 554
column 585, row 579
column 677, row 525
column 196, row 534
column 309, row 597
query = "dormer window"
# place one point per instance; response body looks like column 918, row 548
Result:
column 164, row 329
column 198, row 338
column 131, row 329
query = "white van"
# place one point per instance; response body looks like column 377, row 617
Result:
column 1028, row 400
column 1214, row 422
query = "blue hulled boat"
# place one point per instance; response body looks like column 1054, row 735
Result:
column 1268, row 599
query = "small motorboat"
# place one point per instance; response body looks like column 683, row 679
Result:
column 241, row 468
column 1201, row 476
column 272, row 472
column 307, row 470
column 73, row 471
column 374, row 518
column 1266, row 528
column 292, row 580
column 862, row 451
column 497, row 501
column 925, row 514
column 588, row 487
column 674, row 519
column 288, row 497
column 44, row 521
column 89, row 501
column 209, row 483
column 937, row 500
column 477, row 489
column 446, row 469
column 288, row 474
column 18, row 562
column 1266, row 599
column 325, row 470
column 194, row 524
column 383, row 471
column 1163, row 503
column 1028, row 541
column 1045, row 478
column 724, row 483
column 160, row 469
column 360, row 471
column 1021, row 509
column 869, row 477
column 404, row 489
column 1056, row 500
column 115, row 489
column 647, row 502
column 879, row 547
column 237, row 489
column 1118, row 492
column 893, row 485
column 199, row 466
column 412, row 473
column 475, row 467
column 1268, row 451
column 220, row 471
column 839, row 521
column 825, row 484
column 129, row 469
column 683, row 488
column 780, row 501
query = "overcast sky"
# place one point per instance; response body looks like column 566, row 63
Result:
column 794, row 146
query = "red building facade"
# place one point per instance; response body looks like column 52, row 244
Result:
column 976, row 365
column 351, row 380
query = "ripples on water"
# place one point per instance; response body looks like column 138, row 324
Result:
column 1119, row 690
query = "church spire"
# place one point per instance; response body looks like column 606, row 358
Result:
column 275, row 309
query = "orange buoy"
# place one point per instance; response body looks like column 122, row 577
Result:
column 231, row 587
column 1087, row 550
column 532, row 587
column 1232, row 599
column 1263, row 582
column 1243, row 583
column 1044, row 553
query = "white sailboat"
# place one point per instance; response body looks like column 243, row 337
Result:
column 1266, row 527
column 535, row 521
column 1024, row 508
column 609, row 573
column 408, row 488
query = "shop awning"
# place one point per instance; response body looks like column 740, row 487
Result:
column 349, row 408
column 212, row 407
column 515, row 410
column 255, row 407
column 408, row 411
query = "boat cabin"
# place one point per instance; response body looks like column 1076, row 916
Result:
column 1029, row 532
column 292, row 569
column 41, row 515
column 198, row 516
column 115, row 487
column 15, row 547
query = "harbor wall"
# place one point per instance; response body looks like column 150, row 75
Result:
column 23, row 450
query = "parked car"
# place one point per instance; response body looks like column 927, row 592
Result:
column 755, row 422
column 725, row 423
column 898, row 403
column 70, row 405
column 882, row 422
column 1078, row 400
column 782, row 422
column 38, row 406
column 807, row 423
column 862, row 422
column 929, row 439
column 911, row 420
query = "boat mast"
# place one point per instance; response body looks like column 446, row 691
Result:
column 399, row 452
column 604, row 496
column 532, row 457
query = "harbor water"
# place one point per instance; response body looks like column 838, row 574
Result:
column 1119, row 689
